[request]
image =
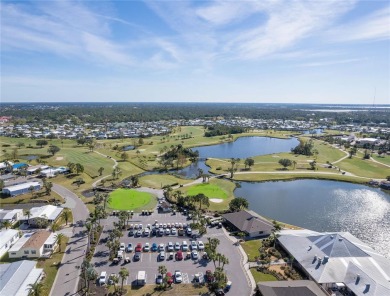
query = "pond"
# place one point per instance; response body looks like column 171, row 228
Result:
column 243, row 147
column 322, row 205
column 128, row 147
column 30, row 157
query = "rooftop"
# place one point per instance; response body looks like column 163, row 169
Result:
column 290, row 288
column 6, row 235
column 248, row 221
column 21, row 186
column 37, row 239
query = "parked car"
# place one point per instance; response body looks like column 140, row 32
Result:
column 167, row 231
column 146, row 247
column 127, row 259
column 194, row 254
column 178, row 276
column 179, row 255
column 189, row 231
column 122, row 247
column 197, row 278
column 194, row 246
column 154, row 247
column 138, row 233
column 200, row 246
column 177, row 246
column 180, row 232
column 138, row 248
column 209, row 276
column 184, row 246
column 146, row 232
column 170, row 247
column 159, row 279
column 140, row 226
column 165, row 225
column 129, row 248
column 161, row 256
column 137, row 256
column 161, row 247
column 161, row 232
column 103, row 278
column 173, row 231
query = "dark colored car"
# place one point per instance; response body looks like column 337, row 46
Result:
column 137, row 256
column 154, row 247
column 138, row 248
column 179, row 255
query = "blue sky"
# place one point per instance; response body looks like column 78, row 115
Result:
column 328, row 51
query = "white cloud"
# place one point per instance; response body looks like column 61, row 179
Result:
column 375, row 26
column 329, row 63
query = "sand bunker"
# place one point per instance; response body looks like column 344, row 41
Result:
column 216, row 200
column 59, row 158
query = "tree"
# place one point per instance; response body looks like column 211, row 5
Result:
column 41, row 143
column 275, row 230
column 285, row 162
column 123, row 274
column 114, row 279
column 163, row 270
column 7, row 224
column 28, row 214
column 53, row 149
column 234, row 165
column 100, row 171
column 237, row 204
column 134, row 181
column 79, row 168
column 2, row 184
column 59, row 237
column 294, row 164
column 66, row 215
column 249, row 162
column 124, row 156
column 313, row 165
column 48, row 186
column 36, row 289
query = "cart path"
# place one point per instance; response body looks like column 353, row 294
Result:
column 114, row 166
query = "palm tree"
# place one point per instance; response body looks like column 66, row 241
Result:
column 31, row 189
column 115, row 280
column 100, row 171
column 123, row 274
column 294, row 164
column 275, row 230
column 54, row 227
column 66, row 215
column 7, row 224
column 91, row 275
column 59, row 238
column 36, row 289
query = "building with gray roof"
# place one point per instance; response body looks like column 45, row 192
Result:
column 16, row 277
column 289, row 288
column 339, row 261
column 249, row 222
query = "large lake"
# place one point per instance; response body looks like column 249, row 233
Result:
column 242, row 148
column 322, row 205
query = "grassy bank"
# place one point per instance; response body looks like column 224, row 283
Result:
column 262, row 277
column 159, row 181
column 130, row 199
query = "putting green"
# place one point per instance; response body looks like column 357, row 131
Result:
column 130, row 199
column 210, row 190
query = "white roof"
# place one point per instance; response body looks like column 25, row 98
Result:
column 21, row 186
column 3, row 165
column 6, row 235
column 9, row 214
column 345, row 257
column 141, row 275
column 49, row 211
column 15, row 277
column 20, row 243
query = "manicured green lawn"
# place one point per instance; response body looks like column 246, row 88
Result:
column 210, row 190
column 159, row 181
column 262, row 277
column 366, row 168
column 383, row 159
column 251, row 248
column 130, row 199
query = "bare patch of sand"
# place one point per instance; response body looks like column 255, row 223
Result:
column 59, row 158
column 216, row 200
column 275, row 156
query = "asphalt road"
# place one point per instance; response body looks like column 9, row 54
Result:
column 189, row 268
column 68, row 274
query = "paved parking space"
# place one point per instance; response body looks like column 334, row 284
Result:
column 188, row 267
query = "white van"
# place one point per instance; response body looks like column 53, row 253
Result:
column 103, row 278
column 141, row 278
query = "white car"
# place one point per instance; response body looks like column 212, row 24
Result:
column 146, row 232
column 167, row 231
column 194, row 246
column 194, row 254
column 149, row 226
column 103, row 278
column 178, row 276
column 165, row 225
column 200, row 246
column 161, row 247
column 184, row 246
column 161, row 256
column 140, row 226
column 177, row 246
column 122, row 247
column 170, row 247
column 189, row 231
column 147, row 247
column 174, row 231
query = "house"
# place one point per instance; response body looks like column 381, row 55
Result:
column 16, row 277
column 21, row 188
column 34, row 245
column 19, row 166
column 7, row 238
column 52, row 172
column 49, row 213
column 36, row 168
column 250, row 223
column 11, row 216
column 289, row 288
column 338, row 261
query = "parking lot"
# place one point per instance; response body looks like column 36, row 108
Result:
column 149, row 260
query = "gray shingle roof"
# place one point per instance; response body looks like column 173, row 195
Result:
column 247, row 221
column 290, row 288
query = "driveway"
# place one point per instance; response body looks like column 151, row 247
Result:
column 68, row 274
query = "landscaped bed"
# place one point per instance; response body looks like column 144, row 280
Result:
column 130, row 199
